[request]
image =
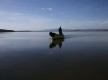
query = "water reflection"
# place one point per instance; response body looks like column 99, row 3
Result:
column 54, row 43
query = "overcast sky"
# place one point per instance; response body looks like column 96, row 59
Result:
column 50, row 14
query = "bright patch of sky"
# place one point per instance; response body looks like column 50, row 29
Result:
column 50, row 14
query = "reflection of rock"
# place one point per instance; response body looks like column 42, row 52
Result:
column 56, row 42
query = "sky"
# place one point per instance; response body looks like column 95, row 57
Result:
column 50, row 14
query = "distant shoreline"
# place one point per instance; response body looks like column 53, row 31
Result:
column 67, row 30
column 55, row 30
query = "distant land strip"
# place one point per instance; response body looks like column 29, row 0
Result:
column 56, row 30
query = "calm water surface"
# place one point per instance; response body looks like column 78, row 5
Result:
column 33, row 56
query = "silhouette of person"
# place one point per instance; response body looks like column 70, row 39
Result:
column 60, row 31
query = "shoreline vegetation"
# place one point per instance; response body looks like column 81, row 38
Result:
column 55, row 30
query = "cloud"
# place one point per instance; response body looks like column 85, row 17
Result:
column 42, row 8
column 103, row 23
column 18, row 21
column 24, row 21
column 48, row 9
column 82, row 24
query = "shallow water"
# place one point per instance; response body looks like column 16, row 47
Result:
column 33, row 56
